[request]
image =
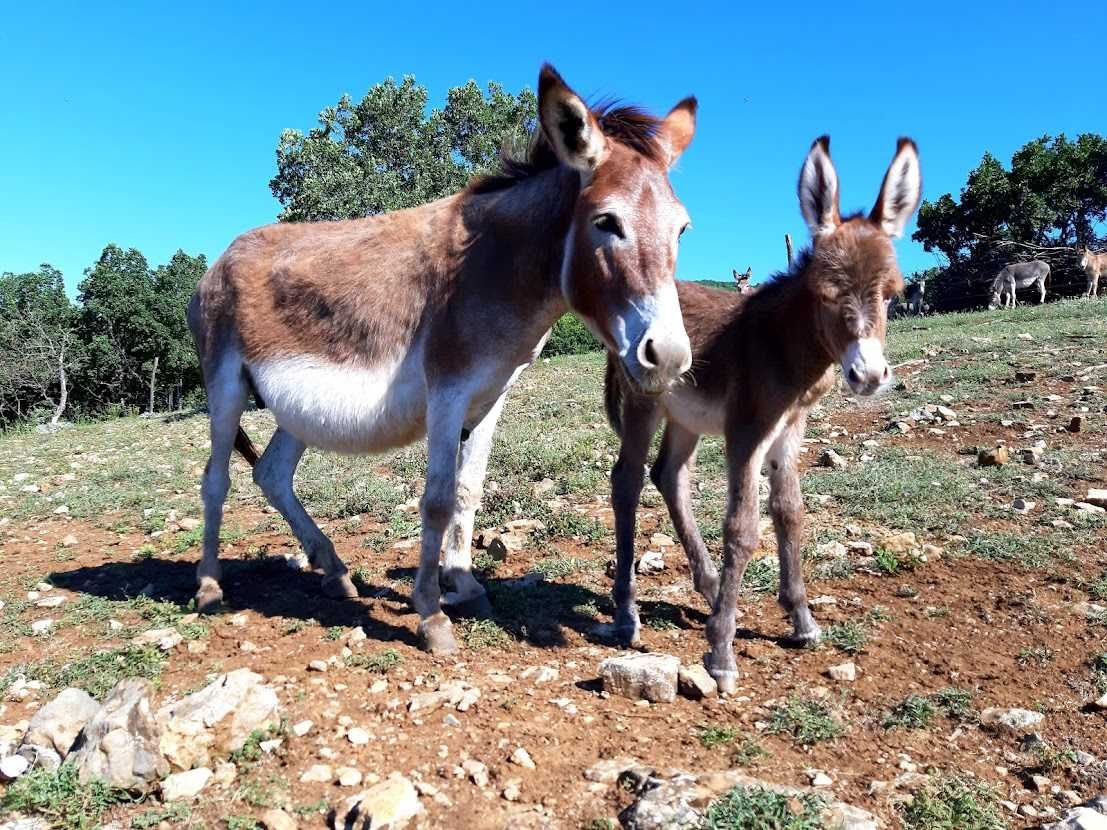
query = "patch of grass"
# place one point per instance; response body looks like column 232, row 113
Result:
column 242, row 823
column 250, row 752
column 955, row 703
column 890, row 563
column 485, row 562
column 848, row 637
column 747, row 753
column 1099, row 671
column 1037, row 655
column 480, row 634
column 59, row 797
column 97, row 673
column 568, row 524
column 1026, row 549
column 557, row 567
column 714, row 736
column 762, row 576
column 380, row 663
column 296, row 626
column 913, row 712
column 333, row 633
column 807, row 721
column 1045, row 759
column 175, row 812
column 759, row 809
column 312, row 808
column 1098, row 589
column 953, row 803
column 193, row 631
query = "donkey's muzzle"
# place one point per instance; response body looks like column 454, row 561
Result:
column 662, row 358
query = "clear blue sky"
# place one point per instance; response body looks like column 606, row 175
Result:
column 153, row 125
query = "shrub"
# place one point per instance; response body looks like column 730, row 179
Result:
column 570, row 336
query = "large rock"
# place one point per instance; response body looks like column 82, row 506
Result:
column 650, row 677
column 216, row 720
column 681, row 801
column 55, row 727
column 390, row 804
column 121, row 743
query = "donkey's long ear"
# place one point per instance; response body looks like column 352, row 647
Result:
column 901, row 192
column 818, row 189
column 569, row 125
column 678, row 127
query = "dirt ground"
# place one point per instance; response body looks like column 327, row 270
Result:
column 998, row 606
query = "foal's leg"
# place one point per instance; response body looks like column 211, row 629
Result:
column 1042, row 289
column 273, row 474
column 786, row 506
column 740, row 537
column 472, row 465
column 226, row 392
column 639, row 422
column 446, row 408
column 672, row 475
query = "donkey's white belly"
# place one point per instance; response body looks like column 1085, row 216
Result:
column 344, row 407
column 694, row 411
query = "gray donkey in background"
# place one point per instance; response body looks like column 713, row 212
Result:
column 1015, row 276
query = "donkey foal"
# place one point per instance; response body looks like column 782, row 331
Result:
column 760, row 362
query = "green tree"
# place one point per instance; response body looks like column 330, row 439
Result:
column 173, row 285
column 386, row 151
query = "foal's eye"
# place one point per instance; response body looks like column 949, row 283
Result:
column 687, row 225
column 609, row 223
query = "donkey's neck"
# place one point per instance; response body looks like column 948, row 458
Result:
column 791, row 316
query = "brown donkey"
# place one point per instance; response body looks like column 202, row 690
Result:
column 367, row 334
column 761, row 361
column 1095, row 266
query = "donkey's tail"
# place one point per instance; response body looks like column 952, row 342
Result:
column 246, row 447
column 613, row 396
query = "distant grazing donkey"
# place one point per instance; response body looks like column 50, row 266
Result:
column 761, row 361
column 1095, row 266
column 1015, row 277
column 367, row 334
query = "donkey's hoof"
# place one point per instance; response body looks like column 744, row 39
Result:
column 209, row 598
column 726, row 679
column 809, row 638
column 473, row 606
column 339, row 587
column 436, row 635
column 627, row 635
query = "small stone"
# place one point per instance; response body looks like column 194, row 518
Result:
column 12, row 767
column 904, row 542
column 181, row 786
column 512, row 790
column 356, row 635
column 651, row 677
column 843, row 673
column 69, row 541
column 188, row 523
column 696, row 683
column 40, row 627
column 1015, row 721
column 993, row 457
column 661, row 540
column 1101, row 702
column 302, row 728
column 348, row 776
column 830, row 458
column 818, row 778
column 650, row 562
column 1096, row 496
column 357, row 736
column 50, row 602
column 477, row 772
column 391, row 803
column 1076, row 423
column 224, row 774
column 1041, row 783
column 1086, row 507
column 277, row 819
column 1021, row 505
column 520, row 757
column 317, row 665
column 317, row 774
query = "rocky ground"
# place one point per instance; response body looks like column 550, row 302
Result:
column 956, row 559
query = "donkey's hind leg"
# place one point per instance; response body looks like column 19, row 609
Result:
column 226, row 390
column 672, row 475
column 458, row 561
column 273, row 474
column 786, row 507
column 639, row 421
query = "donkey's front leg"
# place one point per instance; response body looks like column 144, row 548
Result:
column 740, row 537
column 786, row 507
column 627, row 478
column 446, row 410
column 458, row 561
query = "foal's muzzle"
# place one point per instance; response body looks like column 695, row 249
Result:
column 865, row 368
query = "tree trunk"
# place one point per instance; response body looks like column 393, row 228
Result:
column 788, row 246
column 153, row 386
column 63, row 394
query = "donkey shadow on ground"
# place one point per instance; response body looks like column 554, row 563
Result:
column 530, row 608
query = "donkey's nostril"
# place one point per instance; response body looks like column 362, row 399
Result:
column 886, row 374
column 853, row 376
column 649, row 354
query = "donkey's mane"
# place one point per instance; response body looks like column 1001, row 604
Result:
column 628, row 125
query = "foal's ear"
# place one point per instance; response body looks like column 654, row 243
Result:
column 818, row 189
column 901, row 192
column 569, row 125
column 678, row 127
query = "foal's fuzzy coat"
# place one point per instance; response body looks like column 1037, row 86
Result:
column 760, row 362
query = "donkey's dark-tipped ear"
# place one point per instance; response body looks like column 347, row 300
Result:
column 818, row 189
column 568, row 124
column 678, row 127
column 901, row 191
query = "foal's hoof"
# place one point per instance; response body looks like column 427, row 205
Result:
column 726, row 679
column 436, row 635
column 808, row 638
column 209, row 598
column 339, row 587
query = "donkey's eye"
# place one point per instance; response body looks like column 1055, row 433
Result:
column 687, row 225
column 609, row 223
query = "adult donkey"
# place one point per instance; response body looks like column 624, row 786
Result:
column 1095, row 266
column 761, row 362
column 1016, row 276
column 366, row 334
